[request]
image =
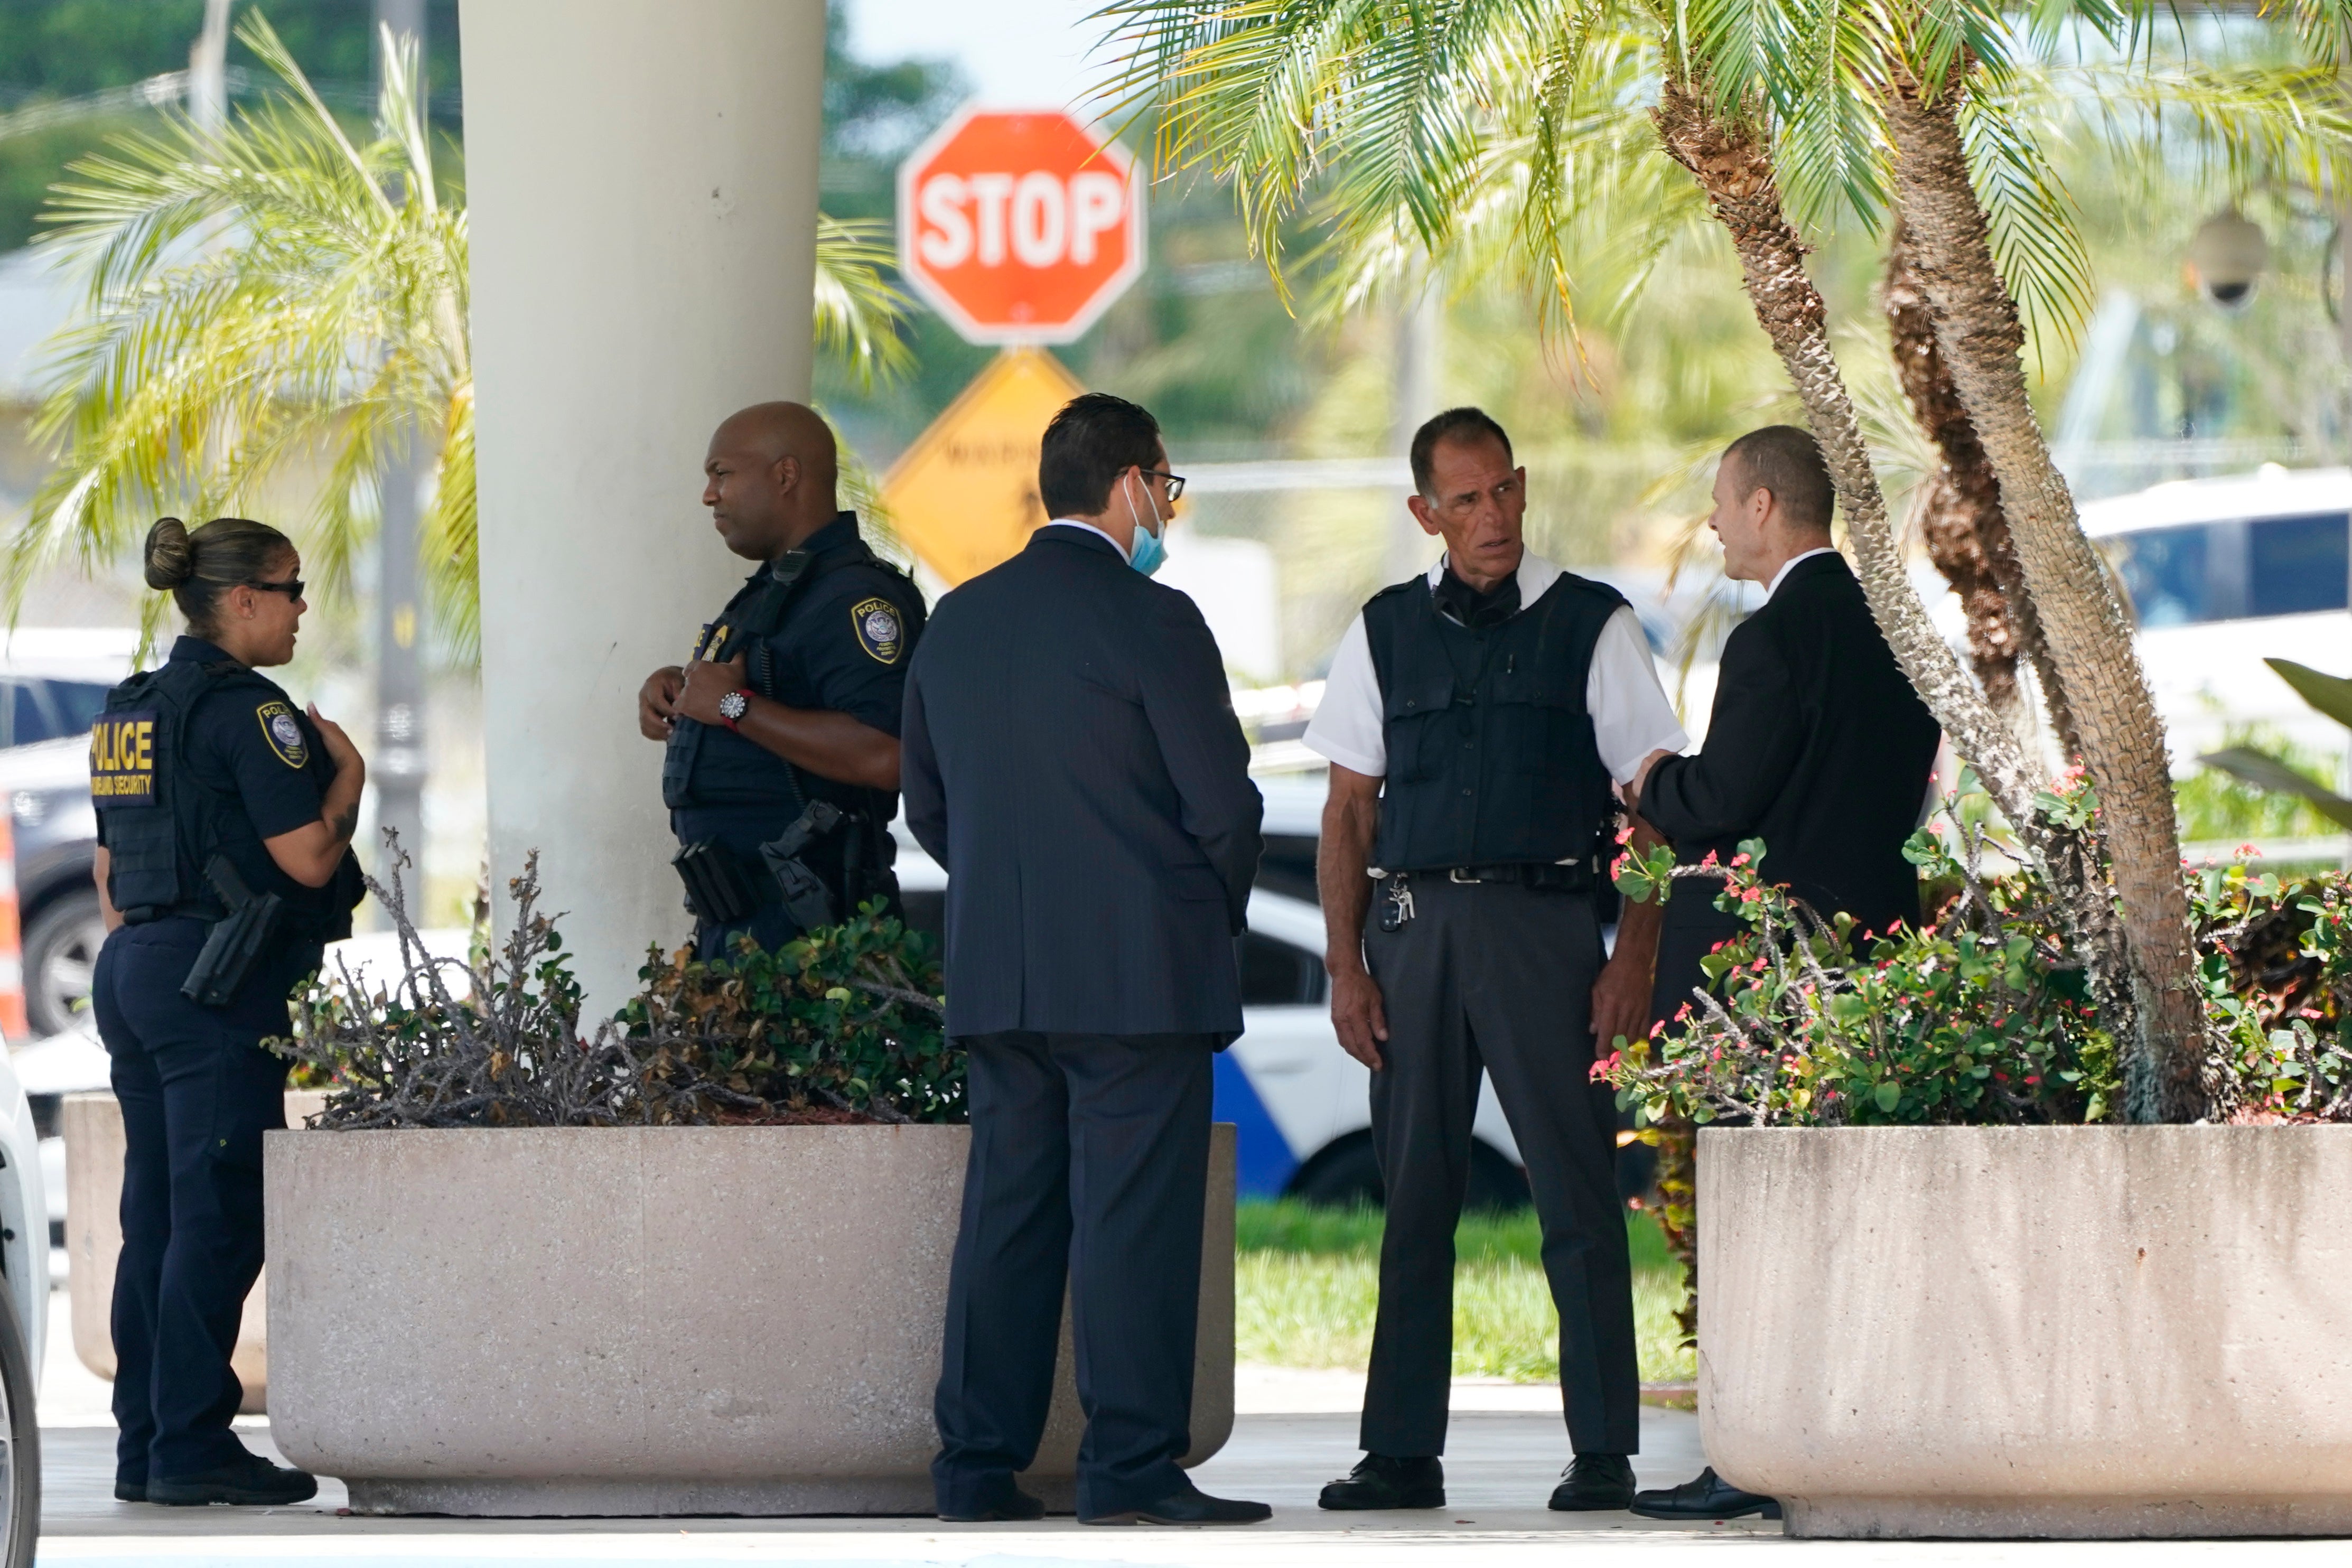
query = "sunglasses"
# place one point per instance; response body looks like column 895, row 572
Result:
column 291, row 587
column 1175, row 483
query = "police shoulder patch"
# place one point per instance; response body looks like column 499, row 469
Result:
column 284, row 732
column 879, row 632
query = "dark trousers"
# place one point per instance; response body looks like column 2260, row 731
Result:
column 197, row 1091
column 1498, row 978
column 1089, row 1164
column 1691, row 929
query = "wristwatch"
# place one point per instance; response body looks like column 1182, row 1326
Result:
column 733, row 705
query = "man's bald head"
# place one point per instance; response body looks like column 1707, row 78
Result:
column 771, row 475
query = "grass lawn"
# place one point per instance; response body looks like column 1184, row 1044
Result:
column 1306, row 1280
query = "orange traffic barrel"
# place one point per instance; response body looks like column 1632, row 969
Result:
column 11, row 940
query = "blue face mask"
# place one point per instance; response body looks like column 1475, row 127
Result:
column 1150, row 553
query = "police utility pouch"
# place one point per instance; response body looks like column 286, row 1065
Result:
column 235, row 945
column 716, row 886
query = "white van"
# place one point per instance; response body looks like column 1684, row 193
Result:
column 2223, row 574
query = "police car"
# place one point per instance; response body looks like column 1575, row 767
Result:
column 53, row 682
column 1301, row 1105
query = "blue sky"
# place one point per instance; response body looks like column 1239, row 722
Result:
column 1025, row 54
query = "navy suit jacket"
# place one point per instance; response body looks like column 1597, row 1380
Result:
column 1072, row 758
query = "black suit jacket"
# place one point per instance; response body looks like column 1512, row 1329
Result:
column 1072, row 758
column 1817, row 746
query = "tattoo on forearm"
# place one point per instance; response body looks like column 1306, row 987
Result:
column 344, row 823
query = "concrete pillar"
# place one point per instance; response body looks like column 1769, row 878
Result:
column 642, row 183
column 397, row 764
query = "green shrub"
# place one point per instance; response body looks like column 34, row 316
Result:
column 1982, row 1016
column 848, row 1018
column 844, row 1024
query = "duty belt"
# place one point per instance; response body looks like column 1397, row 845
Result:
column 1574, row 878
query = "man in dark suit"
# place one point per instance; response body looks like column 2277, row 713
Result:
column 1818, row 745
column 1072, row 758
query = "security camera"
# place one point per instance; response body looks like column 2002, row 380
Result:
column 2226, row 258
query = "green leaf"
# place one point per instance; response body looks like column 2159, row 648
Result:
column 2268, row 773
column 2330, row 694
column 1888, row 1096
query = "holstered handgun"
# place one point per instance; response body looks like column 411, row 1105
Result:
column 234, row 944
column 717, row 889
column 806, row 897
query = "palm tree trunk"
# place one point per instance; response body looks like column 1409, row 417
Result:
column 1734, row 167
column 1978, row 326
column 1967, row 534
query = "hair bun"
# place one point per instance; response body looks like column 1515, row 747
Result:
column 171, row 559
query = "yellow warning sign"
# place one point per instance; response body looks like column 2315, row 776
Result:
column 964, row 496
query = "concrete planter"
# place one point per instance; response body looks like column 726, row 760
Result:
column 2076, row 1332
column 92, row 1125
column 644, row 1320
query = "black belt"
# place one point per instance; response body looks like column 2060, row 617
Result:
column 1569, row 879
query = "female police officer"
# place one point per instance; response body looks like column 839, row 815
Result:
column 224, row 828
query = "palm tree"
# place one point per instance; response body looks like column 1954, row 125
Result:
column 1924, row 83
column 273, row 294
column 1425, row 124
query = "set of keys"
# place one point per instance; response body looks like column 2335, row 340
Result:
column 1398, row 907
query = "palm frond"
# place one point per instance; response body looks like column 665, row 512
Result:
column 261, row 294
column 2324, row 28
column 2035, row 242
column 1480, row 137
column 2231, row 125
column 271, row 298
column 1822, row 66
column 859, row 311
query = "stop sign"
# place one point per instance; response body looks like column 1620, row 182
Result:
column 1019, row 226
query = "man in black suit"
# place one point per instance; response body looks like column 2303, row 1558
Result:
column 1818, row 745
column 1072, row 758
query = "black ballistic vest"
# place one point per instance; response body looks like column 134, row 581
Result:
column 1491, row 759
column 162, row 823
column 699, row 772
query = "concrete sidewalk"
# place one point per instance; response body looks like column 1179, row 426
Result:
column 1296, row 1430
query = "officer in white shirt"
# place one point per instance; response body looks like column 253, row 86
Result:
column 1479, row 720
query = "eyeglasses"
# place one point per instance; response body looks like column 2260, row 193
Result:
column 1175, row 483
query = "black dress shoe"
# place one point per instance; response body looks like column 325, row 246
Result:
column 1189, row 1506
column 129, row 1491
column 1709, row 1497
column 251, row 1481
column 1594, row 1483
column 1380, row 1482
column 1012, row 1503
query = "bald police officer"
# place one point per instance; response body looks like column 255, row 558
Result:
column 782, row 775
column 1476, row 719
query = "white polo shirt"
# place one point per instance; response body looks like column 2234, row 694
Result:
column 1630, row 715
